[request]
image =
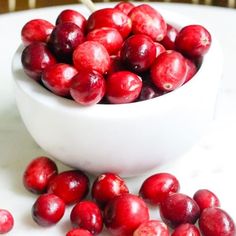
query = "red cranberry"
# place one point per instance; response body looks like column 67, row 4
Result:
column 125, row 7
column 87, row 215
column 169, row 40
column 36, row 30
column 186, row 230
column 123, row 87
column 106, row 186
column 6, row 221
column 110, row 38
column 205, row 198
column 156, row 188
column 216, row 222
column 91, row 55
column 110, row 17
column 168, row 71
column 115, row 65
column 58, row 77
column 48, row 209
column 35, row 58
column 191, row 70
column 73, row 16
column 146, row 20
column 159, row 48
column 88, row 87
column 71, row 186
column 79, row 232
column 193, row 41
column 152, row 228
column 138, row 52
column 38, row 173
column 178, row 209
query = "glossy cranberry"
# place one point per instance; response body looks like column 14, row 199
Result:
column 73, row 16
column 178, row 209
column 110, row 17
column 35, row 58
column 125, row 7
column 205, row 198
column 216, row 222
column 159, row 48
column 147, row 20
column 138, row 52
column 38, row 173
column 110, row 38
column 186, row 230
column 123, row 87
column 79, row 232
column 64, row 39
column 91, row 55
column 191, row 70
column 107, row 186
column 168, row 71
column 152, row 228
column 36, row 30
column 124, row 213
column 6, row 221
column 48, row 209
column 156, row 188
column 87, row 215
column 71, row 186
column 193, row 41
column 169, row 40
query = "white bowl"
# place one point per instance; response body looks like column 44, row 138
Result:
column 127, row 139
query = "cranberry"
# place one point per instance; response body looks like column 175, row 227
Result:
column 79, row 232
column 110, row 17
column 106, row 186
column 168, row 71
column 205, row 198
column 138, row 52
column 191, row 70
column 6, row 221
column 38, row 173
column 115, row 65
column 87, row 215
column 193, row 41
column 63, row 40
column 73, row 16
column 48, row 209
column 178, row 209
column 186, row 230
column 169, row 40
column 110, row 38
column 35, row 58
column 71, row 186
column 36, row 30
column 147, row 20
column 123, row 87
column 159, row 48
column 125, row 7
column 156, row 188
column 216, row 222
column 149, row 91
column 152, row 228
column 124, row 213
column 91, row 55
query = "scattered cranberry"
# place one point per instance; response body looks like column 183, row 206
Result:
column 191, row 70
column 87, row 215
column 71, row 186
column 38, row 173
column 186, row 230
column 159, row 48
column 156, row 188
column 169, row 40
column 124, row 214
column 6, row 221
column 48, row 209
column 79, row 232
column 125, row 7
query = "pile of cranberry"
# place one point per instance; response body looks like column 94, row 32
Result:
column 118, row 55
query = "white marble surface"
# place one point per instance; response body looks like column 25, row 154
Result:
column 209, row 164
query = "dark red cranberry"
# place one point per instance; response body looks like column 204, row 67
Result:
column 138, row 52
column 123, row 87
column 178, row 209
column 71, row 186
column 159, row 48
column 36, row 30
column 147, row 20
column 115, row 65
column 87, row 215
column 79, row 232
column 124, row 214
column 48, row 209
column 6, row 221
column 156, row 188
column 169, row 40
column 35, row 58
column 186, row 230
column 106, row 186
column 125, row 7
column 191, row 70
column 38, row 173
column 216, row 222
